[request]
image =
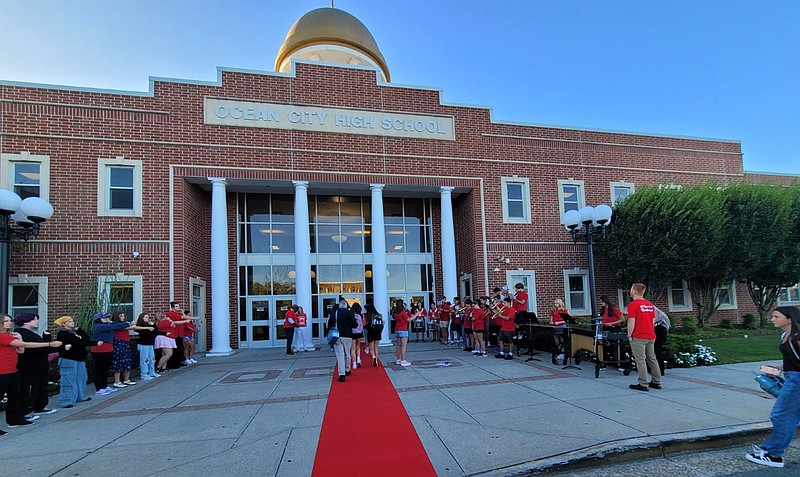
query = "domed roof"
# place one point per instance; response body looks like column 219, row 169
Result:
column 333, row 29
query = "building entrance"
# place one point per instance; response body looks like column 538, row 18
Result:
column 263, row 324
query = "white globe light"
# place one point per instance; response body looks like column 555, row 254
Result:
column 22, row 219
column 586, row 214
column 602, row 214
column 37, row 210
column 571, row 219
column 9, row 202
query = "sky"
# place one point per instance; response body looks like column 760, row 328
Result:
column 719, row 69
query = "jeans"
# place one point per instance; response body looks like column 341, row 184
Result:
column 342, row 348
column 147, row 361
column 644, row 354
column 785, row 415
column 73, row 381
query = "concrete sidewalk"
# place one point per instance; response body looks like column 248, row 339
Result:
column 259, row 412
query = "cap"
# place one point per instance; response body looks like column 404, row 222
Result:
column 100, row 315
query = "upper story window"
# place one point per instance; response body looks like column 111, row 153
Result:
column 119, row 183
column 620, row 191
column 679, row 297
column 570, row 196
column 516, row 197
column 790, row 296
column 28, row 175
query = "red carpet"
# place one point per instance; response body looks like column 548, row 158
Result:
column 366, row 430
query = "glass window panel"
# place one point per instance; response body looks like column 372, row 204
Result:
column 283, row 280
column 242, row 281
column 414, row 274
column 282, row 208
column 414, row 211
column 395, row 239
column 121, row 199
column 328, row 239
column 396, row 281
column 327, row 209
column 261, row 332
column 329, row 278
column 282, row 238
column 27, row 191
column 312, row 233
column 257, row 208
column 576, row 292
column 351, row 210
column 242, row 333
column 259, row 238
column 368, row 278
column 513, row 191
column 367, row 239
column 240, row 208
column 24, row 295
column 393, row 210
column 242, row 309
column 724, row 296
column 355, row 239
column 243, row 239
column 353, row 278
column 571, row 197
column 415, row 243
column 366, row 209
column 258, row 281
column 620, row 194
column 516, row 209
column 314, row 280
column 121, row 177
column 27, row 179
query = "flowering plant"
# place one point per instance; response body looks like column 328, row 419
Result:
column 701, row 356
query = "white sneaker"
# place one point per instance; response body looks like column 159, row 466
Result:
column 120, row 385
column 399, row 361
column 359, row 363
column 111, row 390
column 366, row 350
column 405, row 363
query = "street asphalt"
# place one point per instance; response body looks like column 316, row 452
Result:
column 259, row 412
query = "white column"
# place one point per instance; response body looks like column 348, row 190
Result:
column 302, row 258
column 220, row 280
column 379, row 286
column 449, row 274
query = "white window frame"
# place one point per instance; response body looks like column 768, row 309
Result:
column 620, row 185
column 7, row 162
column 41, row 283
column 581, row 194
column 588, row 306
column 526, row 199
column 731, row 293
column 104, row 283
column 792, row 290
column 511, row 282
column 103, row 185
column 687, row 294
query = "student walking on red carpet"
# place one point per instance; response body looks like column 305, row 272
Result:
column 344, row 320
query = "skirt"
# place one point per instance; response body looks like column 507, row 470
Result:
column 164, row 342
column 122, row 356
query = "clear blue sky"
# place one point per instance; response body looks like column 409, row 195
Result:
column 716, row 69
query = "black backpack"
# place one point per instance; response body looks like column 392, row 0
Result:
column 377, row 323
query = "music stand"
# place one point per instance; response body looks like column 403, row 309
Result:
column 568, row 360
column 532, row 321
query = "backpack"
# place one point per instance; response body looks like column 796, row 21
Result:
column 377, row 323
column 359, row 328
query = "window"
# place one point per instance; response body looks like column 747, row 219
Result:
column 28, row 295
column 620, row 191
column 516, row 200
column 570, row 196
column 790, row 295
column 623, row 299
column 119, row 183
column 26, row 174
column 679, row 297
column 726, row 296
column 576, row 288
column 121, row 293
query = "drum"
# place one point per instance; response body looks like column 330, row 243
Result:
column 418, row 325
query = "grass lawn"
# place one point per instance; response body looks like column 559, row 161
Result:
column 738, row 349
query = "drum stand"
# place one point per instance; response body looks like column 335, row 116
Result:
column 531, row 352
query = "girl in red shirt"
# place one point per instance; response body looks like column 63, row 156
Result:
column 402, row 317
column 558, row 321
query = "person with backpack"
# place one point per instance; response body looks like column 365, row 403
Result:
column 343, row 320
column 374, row 332
column 358, row 333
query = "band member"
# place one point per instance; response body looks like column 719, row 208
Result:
column 418, row 320
column 506, row 315
column 520, row 301
column 433, row 323
column 466, row 325
column 455, row 322
column 444, row 321
column 479, row 327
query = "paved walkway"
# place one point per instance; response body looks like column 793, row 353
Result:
column 259, row 412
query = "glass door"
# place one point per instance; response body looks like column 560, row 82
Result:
column 280, row 306
column 257, row 326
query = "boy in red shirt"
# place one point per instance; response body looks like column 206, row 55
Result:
column 642, row 336
column 507, row 329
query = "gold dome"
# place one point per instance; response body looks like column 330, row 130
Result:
column 330, row 27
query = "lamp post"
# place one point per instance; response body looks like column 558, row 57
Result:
column 27, row 214
column 588, row 225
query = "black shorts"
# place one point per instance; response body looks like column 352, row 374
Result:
column 506, row 336
column 373, row 336
column 478, row 331
column 358, row 336
column 467, row 331
column 455, row 327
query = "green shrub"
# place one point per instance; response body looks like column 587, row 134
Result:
column 726, row 324
column 690, row 325
column 679, row 343
column 750, row 321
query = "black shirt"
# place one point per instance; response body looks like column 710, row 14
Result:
column 79, row 341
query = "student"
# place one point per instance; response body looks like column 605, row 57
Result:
column 506, row 314
column 785, row 414
column 146, row 347
column 165, row 342
column 402, row 316
column 72, row 362
column 642, row 336
column 558, row 322
column 103, row 354
column 122, row 363
column 358, row 333
column 33, row 366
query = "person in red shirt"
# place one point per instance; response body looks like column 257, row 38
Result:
column 612, row 319
column 508, row 328
column 466, row 325
column 558, row 322
column 642, row 336
column 444, row 321
column 289, row 324
column 479, row 327
column 180, row 318
column 402, row 316
column 520, row 301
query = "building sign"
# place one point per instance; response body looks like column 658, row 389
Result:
column 312, row 118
